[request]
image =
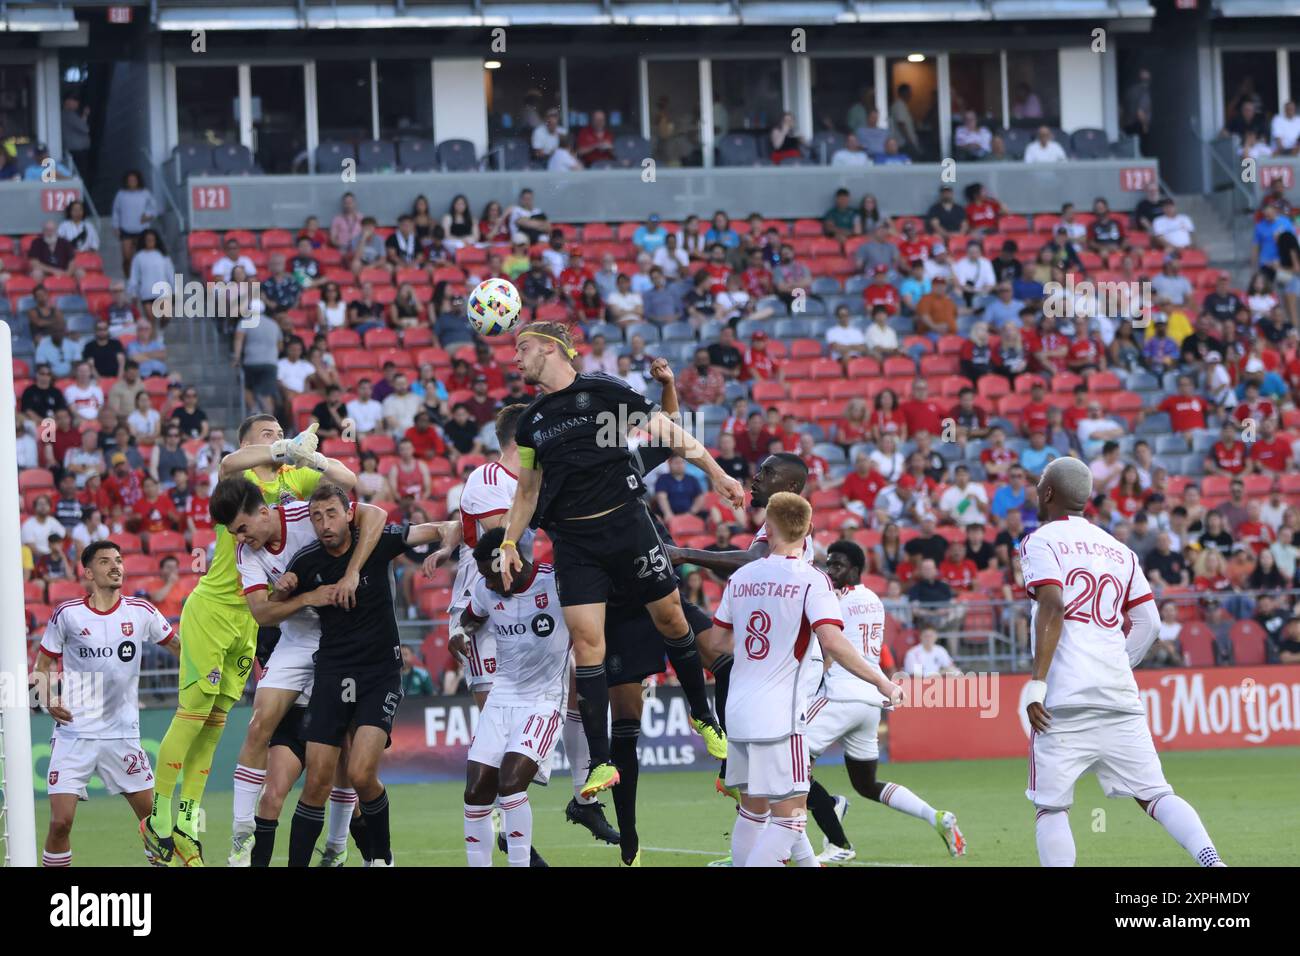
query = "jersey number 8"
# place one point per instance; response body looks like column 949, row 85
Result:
column 756, row 641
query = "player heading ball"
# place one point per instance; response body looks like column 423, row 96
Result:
column 775, row 605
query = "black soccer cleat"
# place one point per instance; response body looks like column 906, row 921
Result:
column 630, row 848
column 590, row 816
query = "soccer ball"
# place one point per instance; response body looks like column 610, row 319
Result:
column 493, row 307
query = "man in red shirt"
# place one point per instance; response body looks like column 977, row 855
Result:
column 1076, row 412
column 956, row 570
column 154, row 511
column 1253, row 407
column 55, row 447
column 1053, row 350
column 1271, row 454
column 911, row 246
column 574, row 276
column 752, row 444
column 428, row 443
column 717, row 268
column 757, row 277
column 982, row 210
column 197, row 514
column 595, row 142
column 997, row 458
column 880, row 292
column 818, row 467
column 921, row 412
column 1229, row 454
column 862, row 485
column 1033, row 417
column 760, row 363
column 122, row 486
column 1186, row 410
column 1253, row 532
column 1086, row 352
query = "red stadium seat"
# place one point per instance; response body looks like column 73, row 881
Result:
column 1104, row 382
column 1063, row 383
column 1197, row 641
column 203, row 538
column 805, row 390
column 129, row 543
column 863, row 367
column 683, row 525
column 61, row 591
column 35, row 478
column 827, row 368
column 165, row 542
column 1249, row 644
column 797, row 368
column 417, row 338
column 34, row 592
column 766, row 392
column 805, row 348
column 939, row 365
column 898, row 365
column 281, row 239
column 1257, row 486
column 381, row 339
column 137, row 565
column 992, row 387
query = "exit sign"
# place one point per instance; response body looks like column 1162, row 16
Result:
column 119, row 14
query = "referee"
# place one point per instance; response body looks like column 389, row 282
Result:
column 579, row 483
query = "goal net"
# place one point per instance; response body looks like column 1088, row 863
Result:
column 17, row 798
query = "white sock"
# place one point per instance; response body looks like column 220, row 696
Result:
column 899, row 798
column 744, row 834
column 1055, row 841
column 804, row 854
column 56, row 859
column 575, row 748
column 1177, row 816
column 518, row 814
column 776, row 843
column 248, row 784
column 342, row 802
column 478, row 835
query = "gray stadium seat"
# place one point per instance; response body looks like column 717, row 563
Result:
column 190, row 158
column 331, row 154
column 678, row 332
column 734, row 390
column 713, row 414
column 647, row 330
column 376, row 156
column 818, row 326
column 833, row 454
column 71, row 303
column 746, row 328
column 1141, row 381
column 1062, row 137
column 813, row 306
column 790, row 328
column 630, row 150
column 79, row 323
column 604, row 164
column 777, row 305
column 737, row 149
column 855, row 284
column 1089, row 144
column 511, row 153
column 825, row 285
column 457, row 155
column 1157, row 424
column 416, row 155
column 1170, row 445
column 902, row 324
column 613, row 334
column 1016, row 139
column 233, row 158
column 1203, row 439
column 709, row 330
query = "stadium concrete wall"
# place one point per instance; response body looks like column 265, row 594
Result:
column 1187, row 709
column 619, row 195
column 25, row 206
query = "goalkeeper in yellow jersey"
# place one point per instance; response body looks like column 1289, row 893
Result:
column 220, row 639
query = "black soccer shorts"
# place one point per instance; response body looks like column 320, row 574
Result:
column 288, row 733
column 634, row 648
column 342, row 701
column 620, row 551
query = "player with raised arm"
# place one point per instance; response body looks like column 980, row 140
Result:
column 579, row 483
column 221, row 636
column 778, row 604
column 848, row 710
column 267, row 538
column 521, row 721
column 358, row 680
column 96, row 711
column 1083, row 704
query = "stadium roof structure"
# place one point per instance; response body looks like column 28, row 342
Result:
column 184, row 15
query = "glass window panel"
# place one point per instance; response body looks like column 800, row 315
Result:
column 343, row 100
column 914, row 105
column 519, row 93
column 279, row 116
column 976, row 84
column 843, row 93
column 405, row 99
column 675, row 112
column 1250, row 75
column 609, row 85
column 207, row 104
column 1034, row 87
column 746, row 95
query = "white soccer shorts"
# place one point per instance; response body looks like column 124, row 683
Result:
column 120, row 762
column 775, row 770
column 1116, row 746
column 291, row 667
column 851, row 722
column 528, row 729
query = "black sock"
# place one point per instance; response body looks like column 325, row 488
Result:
column 263, row 840
column 308, row 821
column 593, row 704
column 721, row 684
column 822, row 807
column 623, row 748
column 361, row 837
column 376, row 814
column 685, row 658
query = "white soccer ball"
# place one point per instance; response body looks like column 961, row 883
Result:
column 493, row 307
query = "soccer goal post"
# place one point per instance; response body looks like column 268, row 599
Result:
column 17, row 797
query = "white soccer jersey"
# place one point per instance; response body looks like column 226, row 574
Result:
column 773, row 604
column 260, row 568
column 100, row 651
column 489, row 491
column 809, row 551
column 864, row 626
column 1100, row 581
column 531, row 637
column 812, row 679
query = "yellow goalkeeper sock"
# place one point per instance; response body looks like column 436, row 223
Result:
column 186, row 726
column 198, row 766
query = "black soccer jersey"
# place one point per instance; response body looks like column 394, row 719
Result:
column 578, row 437
column 364, row 638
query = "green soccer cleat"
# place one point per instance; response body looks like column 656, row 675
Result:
column 241, row 849
column 157, row 850
column 720, row 785
column 715, row 739
column 331, row 857
column 602, row 776
column 945, row 824
column 189, row 851
column 723, row 862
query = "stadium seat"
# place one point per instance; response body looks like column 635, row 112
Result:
column 1089, row 144
column 630, row 149
column 457, row 155
column 331, row 154
column 233, row 158
column 1016, row 139
column 1197, row 641
column 60, row 591
column 164, row 542
column 416, row 155
column 737, row 149
column 189, row 159
column 376, row 156
column 1249, row 644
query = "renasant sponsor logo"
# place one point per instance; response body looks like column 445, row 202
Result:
column 76, row 909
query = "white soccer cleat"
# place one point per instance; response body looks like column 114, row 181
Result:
column 241, row 849
column 388, row 862
column 836, row 854
column 945, row 823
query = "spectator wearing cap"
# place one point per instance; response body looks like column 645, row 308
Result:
column 1160, row 353
column 844, row 339
column 1045, row 149
column 1172, row 229
column 938, row 264
column 945, row 218
column 574, row 275
column 838, row 221
column 760, row 363
column 546, row 137
column 595, row 143
column 936, row 313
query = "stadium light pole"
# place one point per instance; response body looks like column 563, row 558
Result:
column 18, row 803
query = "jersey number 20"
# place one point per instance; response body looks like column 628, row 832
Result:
column 1087, row 607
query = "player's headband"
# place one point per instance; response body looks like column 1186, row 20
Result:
column 570, row 352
